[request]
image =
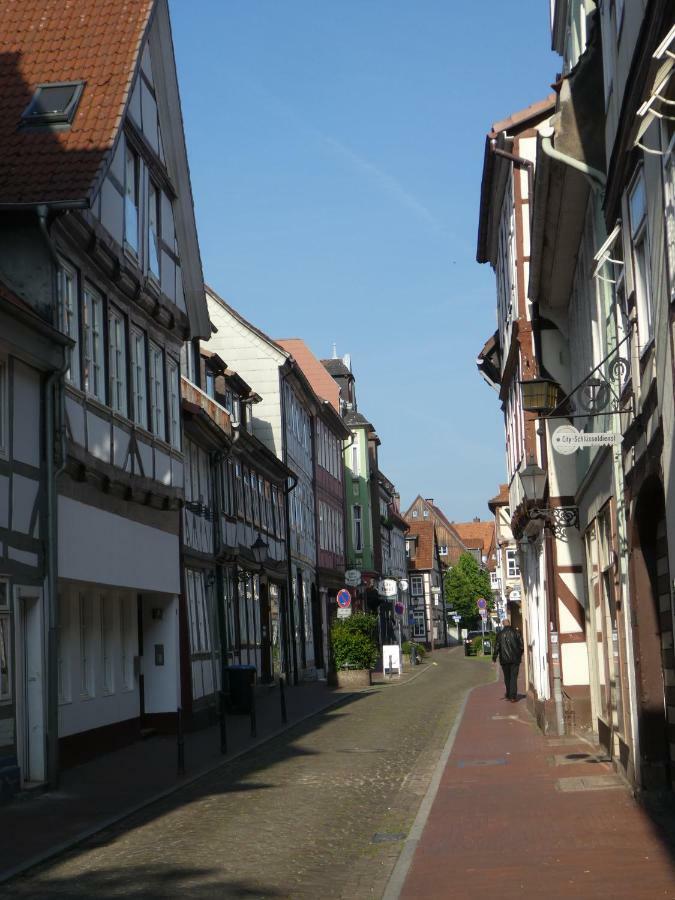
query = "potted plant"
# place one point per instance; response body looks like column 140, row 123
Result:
column 354, row 649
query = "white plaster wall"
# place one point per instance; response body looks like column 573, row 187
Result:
column 79, row 713
column 26, row 420
column 104, row 548
column 575, row 664
column 160, row 682
column 258, row 364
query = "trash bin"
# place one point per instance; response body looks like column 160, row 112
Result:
column 487, row 647
column 241, row 679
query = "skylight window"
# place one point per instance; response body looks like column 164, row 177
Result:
column 53, row 104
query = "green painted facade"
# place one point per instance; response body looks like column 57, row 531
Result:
column 357, row 489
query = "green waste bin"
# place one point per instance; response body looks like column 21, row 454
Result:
column 241, row 679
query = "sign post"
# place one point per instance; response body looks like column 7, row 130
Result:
column 481, row 603
column 344, row 602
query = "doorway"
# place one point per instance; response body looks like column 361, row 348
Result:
column 652, row 630
column 30, row 681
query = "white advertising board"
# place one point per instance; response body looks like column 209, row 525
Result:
column 391, row 652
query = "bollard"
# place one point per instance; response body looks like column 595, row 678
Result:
column 223, row 724
column 254, row 726
column 180, row 742
column 391, row 674
column 282, row 700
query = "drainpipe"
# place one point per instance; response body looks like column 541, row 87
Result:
column 520, row 163
column 596, row 178
column 53, row 469
column 289, row 601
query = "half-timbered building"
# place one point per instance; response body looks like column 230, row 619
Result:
column 97, row 236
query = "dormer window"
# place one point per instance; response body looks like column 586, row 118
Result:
column 53, row 104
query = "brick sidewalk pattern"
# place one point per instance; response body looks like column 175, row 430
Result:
column 520, row 815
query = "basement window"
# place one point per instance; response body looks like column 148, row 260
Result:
column 53, row 104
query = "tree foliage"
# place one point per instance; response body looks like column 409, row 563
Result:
column 465, row 583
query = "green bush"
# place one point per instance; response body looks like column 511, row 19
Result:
column 406, row 646
column 354, row 642
column 477, row 642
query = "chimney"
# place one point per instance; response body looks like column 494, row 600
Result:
column 476, row 518
column 335, row 356
column 429, row 499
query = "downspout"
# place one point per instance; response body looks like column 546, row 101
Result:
column 521, row 163
column 596, row 178
column 53, row 469
column 291, row 614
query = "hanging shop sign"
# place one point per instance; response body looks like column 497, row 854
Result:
column 387, row 587
column 567, row 439
column 352, row 578
column 403, row 584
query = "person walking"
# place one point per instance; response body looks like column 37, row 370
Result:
column 509, row 649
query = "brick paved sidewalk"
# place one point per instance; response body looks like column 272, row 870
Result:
column 96, row 793
column 518, row 815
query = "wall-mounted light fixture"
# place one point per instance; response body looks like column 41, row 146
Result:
column 557, row 518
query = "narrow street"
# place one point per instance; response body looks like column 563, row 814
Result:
column 319, row 812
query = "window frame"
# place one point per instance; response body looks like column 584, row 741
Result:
column 357, row 527
column 173, row 401
column 6, row 696
column 92, row 299
column 152, row 187
column 139, row 401
column 417, row 580
column 70, row 325
column 132, row 202
column 117, row 374
column 157, row 385
column 4, row 406
column 640, row 238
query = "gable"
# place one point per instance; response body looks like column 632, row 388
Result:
column 145, row 201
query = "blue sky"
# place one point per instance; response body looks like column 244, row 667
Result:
column 336, row 149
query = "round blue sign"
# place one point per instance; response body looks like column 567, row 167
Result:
column 344, row 598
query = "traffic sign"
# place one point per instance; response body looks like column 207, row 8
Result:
column 456, row 618
column 398, row 608
column 483, row 614
column 481, row 603
column 344, row 599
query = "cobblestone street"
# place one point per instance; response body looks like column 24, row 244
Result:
column 319, row 812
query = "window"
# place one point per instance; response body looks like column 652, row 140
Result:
column 117, row 362
column 187, row 361
column 443, row 550
column 512, row 567
column 131, row 195
column 107, row 643
column 53, row 104
column 419, row 624
column 4, row 410
column 174, row 403
column 86, row 646
column 416, row 586
column 153, row 230
column 5, row 644
column 93, row 380
column 157, row 423
column 425, row 513
column 210, row 385
column 358, row 529
column 637, row 202
column 68, row 317
column 494, row 581
column 127, row 640
column 138, row 381
column 414, row 513
column 356, row 462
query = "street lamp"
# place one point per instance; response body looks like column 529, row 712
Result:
column 557, row 518
column 539, row 395
column 259, row 550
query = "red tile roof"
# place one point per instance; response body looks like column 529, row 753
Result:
column 43, row 41
column 502, row 498
column 324, row 386
column 424, row 555
column 477, row 535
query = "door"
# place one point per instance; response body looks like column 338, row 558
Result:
column 31, row 684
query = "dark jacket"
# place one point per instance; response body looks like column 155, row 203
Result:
column 508, row 646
